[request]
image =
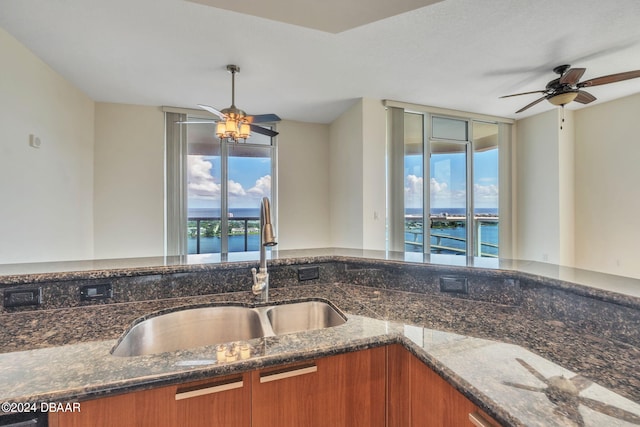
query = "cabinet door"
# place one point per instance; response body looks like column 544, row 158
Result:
column 418, row 397
column 151, row 408
column 345, row 390
column 219, row 402
column 435, row 402
column 398, row 386
column 224, row 401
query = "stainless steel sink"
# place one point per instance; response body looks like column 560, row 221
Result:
column 190, row 328
column 303, row 316
column 197, row 327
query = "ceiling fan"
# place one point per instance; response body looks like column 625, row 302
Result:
column 234, row 124
column 567, row 87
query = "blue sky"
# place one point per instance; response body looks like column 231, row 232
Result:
column 447, row 181
column 249, row 181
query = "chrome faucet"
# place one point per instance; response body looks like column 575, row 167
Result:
column 261, row 277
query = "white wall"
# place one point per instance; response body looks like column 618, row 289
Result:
column 538, row 188
column 129, row 181
column 303, row 185
column 566, row 190
column 357, row 164
column 374, row 139
column 346, row 177
column 46, row 194
column 607, row 176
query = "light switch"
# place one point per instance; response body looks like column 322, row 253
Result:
column 34, row 141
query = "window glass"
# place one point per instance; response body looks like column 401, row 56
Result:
column 448, row 197
column 445, row 128
column 249, row 170
column 249, row 181
column 485, row 188
column 413, row 182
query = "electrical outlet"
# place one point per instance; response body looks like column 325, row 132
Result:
column 308, row 273
column 458, row 285
column 22, row 297
column 96, row 292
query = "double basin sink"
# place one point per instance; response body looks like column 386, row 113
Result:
column 195, row 327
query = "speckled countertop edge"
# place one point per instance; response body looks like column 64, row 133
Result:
column 601, row 286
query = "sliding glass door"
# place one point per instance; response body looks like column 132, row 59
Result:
column 457, row 212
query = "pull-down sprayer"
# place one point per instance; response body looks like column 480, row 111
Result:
column 267, row 238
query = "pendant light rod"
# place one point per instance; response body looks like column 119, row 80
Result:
column 233, row 69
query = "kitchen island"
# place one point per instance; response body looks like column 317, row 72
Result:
column 527, row 349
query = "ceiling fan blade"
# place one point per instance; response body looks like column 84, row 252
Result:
column 584, row 97
column 263, row 131
column 191, row 122
column 263, row 118
column 572, row 76
column 524, row 93
column 611, row 78
column 212, row 110
column 532, row 104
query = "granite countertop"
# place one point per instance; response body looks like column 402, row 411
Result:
column 68, row 270
column 520, row 369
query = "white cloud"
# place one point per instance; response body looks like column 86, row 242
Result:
column 262, row 187
column 413, row 191
column 235, row 189
column 200, row 183
column 486, row 194
column 438, row 189
column 443, row 197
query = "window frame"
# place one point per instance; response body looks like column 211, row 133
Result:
column 176, row 191
column 395, row 173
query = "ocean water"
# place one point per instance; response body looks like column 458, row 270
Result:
column 236, row 242
column 215, row 212
column 449, row 236
column 452, row 237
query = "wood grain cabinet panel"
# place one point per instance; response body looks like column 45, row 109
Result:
column 384, row 386
column 418, row 397
column 218, row 402
column 224, row 401
column 344, row 390
column 150, row 408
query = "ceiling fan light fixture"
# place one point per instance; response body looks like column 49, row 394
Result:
column 563, row 98
column 234, row 124
column 221, row 129
column 245, row 130
column 233, row 130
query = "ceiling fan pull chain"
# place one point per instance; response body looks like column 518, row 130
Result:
column 562, row 117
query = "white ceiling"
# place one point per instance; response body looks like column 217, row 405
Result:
column 460, row 54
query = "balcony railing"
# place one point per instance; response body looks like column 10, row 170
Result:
column 449, row 243
column 244, row 235
column 239, row 231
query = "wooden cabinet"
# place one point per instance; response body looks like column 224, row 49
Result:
column 369, row 388
column 219, row 402
column 417, row 396
column 344, row 390
column 222, row 401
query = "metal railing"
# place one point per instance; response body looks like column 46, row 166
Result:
column 240, row 226
column 440, row 245
column 237, row 226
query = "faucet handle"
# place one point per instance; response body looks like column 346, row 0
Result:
column 260, row 280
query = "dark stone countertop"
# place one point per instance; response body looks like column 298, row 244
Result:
column 587, row 281
column 523, row 369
